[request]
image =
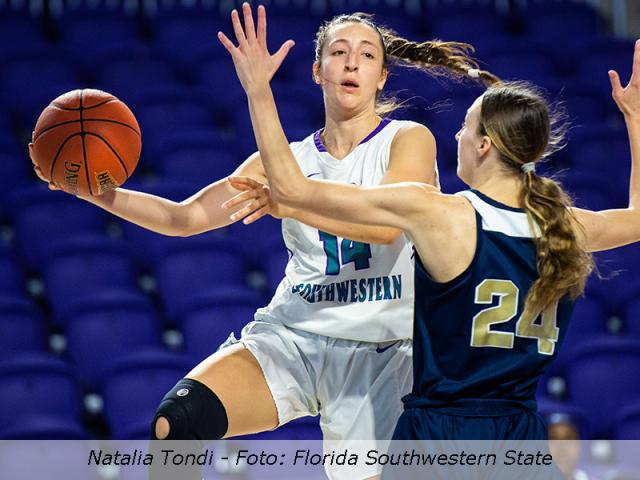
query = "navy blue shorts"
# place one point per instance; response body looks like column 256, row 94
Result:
column 508, row 429
column 470, row 420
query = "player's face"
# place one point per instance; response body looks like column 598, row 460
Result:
column 350, row 70
column 469, row 139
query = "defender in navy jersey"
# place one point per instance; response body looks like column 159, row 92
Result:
column 497, row 267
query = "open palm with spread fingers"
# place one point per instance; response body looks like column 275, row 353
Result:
column 254, row 64
column 257, row 199
column 628, row 98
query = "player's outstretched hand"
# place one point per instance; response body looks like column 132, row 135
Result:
column 628, row 98
column 38, row 170
column 258, row 197
column 254, row 64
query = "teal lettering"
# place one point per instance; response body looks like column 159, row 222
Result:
column 363, row 290
column 386, row 283
column 343, row 291
column 397, row 286
column 330, row 292
column 354, row 290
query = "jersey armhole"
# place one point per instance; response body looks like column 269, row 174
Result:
column 460, row 277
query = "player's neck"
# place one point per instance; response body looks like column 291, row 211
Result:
column 501, row 188
column 342, row 135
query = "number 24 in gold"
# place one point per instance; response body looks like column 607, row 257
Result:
column 545, row 331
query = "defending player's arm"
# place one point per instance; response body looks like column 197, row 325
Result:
column 412, row 158
column 613, row 228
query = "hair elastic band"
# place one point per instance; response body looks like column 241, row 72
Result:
column 473, row 73
column 528, row 167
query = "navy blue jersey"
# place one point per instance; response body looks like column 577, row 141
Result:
column 469, row 339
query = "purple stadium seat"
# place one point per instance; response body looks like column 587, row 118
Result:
column 189, row 268
column 43, row 218
column 257, row 239
column 209, row 319
column 565, row 22
column 128, row 73
column 85, row 266
column 30, row 70
column 627, row 423
column 587, row 322
column 599, row 56
column 133, row 387
column 17, row 174
column 521, row 61
column 632, row 318
column 39, row 392
column 105, row 326
column 603, row 378
column 459, row 24
column 619, row 284
column 198, row 165
column 85, row 32
column 11, row 277
column 275, row 266
column 22, row 328
column 183, row 35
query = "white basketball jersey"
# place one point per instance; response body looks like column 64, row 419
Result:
column 334, row 286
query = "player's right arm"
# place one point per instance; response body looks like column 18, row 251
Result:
column 614, row 228
column 197, row 214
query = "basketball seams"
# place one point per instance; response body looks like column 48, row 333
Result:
column 113, row 121
column 87, row 120
column 74, row 109
column 60, row 148
column 113, row 150
column 84, row 148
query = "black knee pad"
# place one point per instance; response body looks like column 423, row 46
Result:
column 193, row 411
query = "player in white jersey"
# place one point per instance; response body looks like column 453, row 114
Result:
column 335, row 339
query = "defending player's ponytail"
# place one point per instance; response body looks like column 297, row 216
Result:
column 444, row 59
column 523, row 129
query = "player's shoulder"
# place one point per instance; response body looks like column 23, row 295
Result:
column 410, row 132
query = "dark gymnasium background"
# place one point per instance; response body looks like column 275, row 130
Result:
column 98, row 318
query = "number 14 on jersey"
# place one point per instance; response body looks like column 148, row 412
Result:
column 348, row 252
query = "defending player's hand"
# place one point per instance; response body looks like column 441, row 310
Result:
column 628, row 98
column 259, row 197
column 38, row 170
column 254, row 64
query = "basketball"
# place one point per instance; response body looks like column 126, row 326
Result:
column 87, row 142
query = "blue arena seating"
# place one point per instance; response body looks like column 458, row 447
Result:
column 188, row 268
column 208, row 320
column 133, row 387
column 82, row 267
column 11, row 277
column 43, row 218
column 602, row 379
column 22, row 328
column 105, row 326
column 627, row 423
column 39, row 392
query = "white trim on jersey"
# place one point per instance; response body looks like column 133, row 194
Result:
column 496, row 219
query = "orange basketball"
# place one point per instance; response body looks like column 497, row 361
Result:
column 87, row 142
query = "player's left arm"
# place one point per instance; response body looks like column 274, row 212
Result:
column 614, row 228
column 412, row 157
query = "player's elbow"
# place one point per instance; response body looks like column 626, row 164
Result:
column 389, row 236
column 286, row 194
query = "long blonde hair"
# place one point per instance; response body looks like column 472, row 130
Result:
column 524, row 129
